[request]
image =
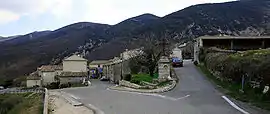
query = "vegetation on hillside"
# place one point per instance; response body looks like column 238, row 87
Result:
column 23, row 103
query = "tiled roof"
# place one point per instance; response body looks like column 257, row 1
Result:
column 73, row 74
column 50, row 68
column 33, row 76
column 75, row 58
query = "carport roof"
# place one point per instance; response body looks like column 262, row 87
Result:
column 234, row 37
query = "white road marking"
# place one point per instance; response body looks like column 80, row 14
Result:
column 152, row 94
column 71, row 95
column 97, row 110
column 234, row 105
column 183, row 97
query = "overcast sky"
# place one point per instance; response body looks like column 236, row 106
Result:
column 25, row 16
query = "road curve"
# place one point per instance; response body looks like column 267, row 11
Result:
column 193, row 95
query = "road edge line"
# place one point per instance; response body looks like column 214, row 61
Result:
column 234, row 105
column 95, row 109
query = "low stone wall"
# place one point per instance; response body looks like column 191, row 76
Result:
column 45, row 102
column 129, row 84
column 113, row 71
column 158, row 90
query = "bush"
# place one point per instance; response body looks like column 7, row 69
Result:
column 127, row 77
column 64, row 85
column 253, row 64
column 135, row 68
column 9, row 103
column 195, row 63
column 54, row 85
column 138, row 78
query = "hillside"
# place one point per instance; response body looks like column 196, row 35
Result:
column 21, row 58
column 127, row 27
column 239, row 18
column 23, row 54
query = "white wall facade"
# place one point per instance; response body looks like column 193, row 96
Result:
column 197, row 46
column 177, row 53
column 75, row 66
column 32, row 83
column 48, row 77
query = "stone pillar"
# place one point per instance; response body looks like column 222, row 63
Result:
column 232, row 45
column 164, row 68
column 263, row 44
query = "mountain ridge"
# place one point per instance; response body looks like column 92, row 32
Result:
column 102, row 41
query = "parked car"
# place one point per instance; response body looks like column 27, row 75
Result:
column 177, row 62
column 1, row 87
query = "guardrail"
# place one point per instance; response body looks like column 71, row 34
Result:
column 21, row 91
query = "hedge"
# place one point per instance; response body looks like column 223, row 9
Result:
column 253, row 64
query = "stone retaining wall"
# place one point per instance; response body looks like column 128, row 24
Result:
column 158, row 90
column 129, row 84
column 45, row 102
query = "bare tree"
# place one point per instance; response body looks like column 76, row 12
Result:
column 151, row 54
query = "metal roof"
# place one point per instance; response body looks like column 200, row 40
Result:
column 97, row 62
column 234, row 37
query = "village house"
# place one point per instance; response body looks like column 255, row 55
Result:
column 72, row 70
column 33, row 79
column 48, row 73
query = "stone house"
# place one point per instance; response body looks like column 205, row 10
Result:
column 48, row 73
column 177, row 52
column 74, row 70
column 74, row 63
column 33, row 79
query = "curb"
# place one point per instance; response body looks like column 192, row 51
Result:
column 94, row 109
column 45, row 105
column 76, row 102
column 70, row 99
column 160, row 90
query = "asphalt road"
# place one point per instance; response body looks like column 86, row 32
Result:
column 193, row 95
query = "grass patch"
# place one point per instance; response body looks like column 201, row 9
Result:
column 25, row 103
column 232, row 89
column 77, row 85
column 138, row 78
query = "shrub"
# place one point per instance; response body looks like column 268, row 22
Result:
column 53, row 85
column 64, row 86
column 141, row 77
column 127, row 77
column 254, row 65
column 9, row 103
column 195, row 63
column 134, row 66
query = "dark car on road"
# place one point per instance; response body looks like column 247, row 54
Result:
column 177, row 62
